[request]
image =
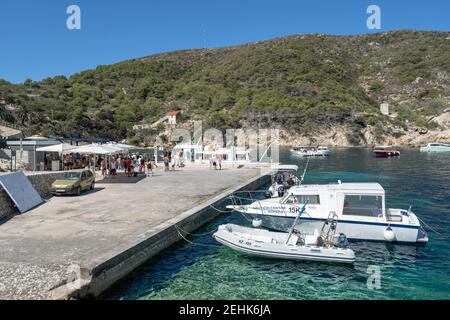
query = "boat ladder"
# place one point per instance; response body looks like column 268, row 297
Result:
column 328, row 230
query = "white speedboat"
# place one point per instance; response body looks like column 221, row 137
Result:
column 324, row 246
column 325, row 151
column 269, row 244
column 360, row 208
column 311, row 151
column 436, row 147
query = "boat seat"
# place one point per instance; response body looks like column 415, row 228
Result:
column 312, row 239
column 259, row 238
column 293, row 240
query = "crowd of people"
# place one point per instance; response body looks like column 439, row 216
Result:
column 135, row 164
column 172, row 161
column 286, row 178
column 132, row 165
column 216, row 162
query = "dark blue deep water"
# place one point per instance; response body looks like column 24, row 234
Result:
column 206, row 270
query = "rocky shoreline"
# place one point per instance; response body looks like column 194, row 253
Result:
column 345, row 136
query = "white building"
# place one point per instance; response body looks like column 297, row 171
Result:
column 384, row 109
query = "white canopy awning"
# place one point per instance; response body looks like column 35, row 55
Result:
column 120, row 145
column 284, row 167
column 97, row 149
column 60, row 148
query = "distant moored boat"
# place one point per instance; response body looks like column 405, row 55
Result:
column 385, row 151
column 436, row 147
column 304, row 151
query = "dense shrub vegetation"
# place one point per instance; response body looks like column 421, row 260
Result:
column 315, row 79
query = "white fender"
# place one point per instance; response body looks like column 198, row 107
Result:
column 389, row 235
column 256, row 223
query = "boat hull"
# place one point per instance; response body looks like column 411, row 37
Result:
column 354, row 230
column 387, row 154
column 435, row 149
column 312, row 154
column 283, row 251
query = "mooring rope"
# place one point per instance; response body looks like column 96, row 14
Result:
column 195, row 244
column 196, row 234
column 429, row 227
column 221, row 211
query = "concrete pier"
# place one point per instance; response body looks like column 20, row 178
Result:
column 105, row 234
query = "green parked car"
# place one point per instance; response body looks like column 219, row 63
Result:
column 73, row 182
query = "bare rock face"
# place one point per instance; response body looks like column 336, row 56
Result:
column 346, row 136
column 443, row 119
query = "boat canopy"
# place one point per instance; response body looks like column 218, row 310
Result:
column 284, row 167
column 346, row 188
column 438, row 145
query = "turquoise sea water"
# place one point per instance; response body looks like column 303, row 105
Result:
column 207, row 270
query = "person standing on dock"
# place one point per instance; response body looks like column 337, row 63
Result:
column 219, row 161
column 128, row 167
column 150, row 165
column 166, row 162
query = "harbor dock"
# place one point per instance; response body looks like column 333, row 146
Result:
column 107, row 233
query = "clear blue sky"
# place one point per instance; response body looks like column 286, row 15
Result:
column 35, row 42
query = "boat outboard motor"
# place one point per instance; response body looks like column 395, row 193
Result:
column 281, row 191
column 340, row 240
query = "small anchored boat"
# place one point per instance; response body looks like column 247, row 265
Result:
column 385, row 152
column 304, row 151
column 295, row 245
column 436, row 147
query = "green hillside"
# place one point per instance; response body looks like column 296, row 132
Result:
column 297, row 82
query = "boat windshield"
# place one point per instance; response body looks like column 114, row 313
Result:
column 360, row 205
column 301, row 199
column 439, row 145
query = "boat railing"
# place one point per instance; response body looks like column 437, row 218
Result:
column 245, row 196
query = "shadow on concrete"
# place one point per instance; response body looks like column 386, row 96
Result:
column 84, row 193
column 121, row 178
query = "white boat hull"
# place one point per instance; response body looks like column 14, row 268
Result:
column 354, row 230
column 243, row 242
column 312, row 153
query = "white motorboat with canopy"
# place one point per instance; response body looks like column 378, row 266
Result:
column 359, row 207
column 295, row 245
column 305, row 151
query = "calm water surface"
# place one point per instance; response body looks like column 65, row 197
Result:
column 207, row 270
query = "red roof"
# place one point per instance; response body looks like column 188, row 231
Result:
column 173, row 113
